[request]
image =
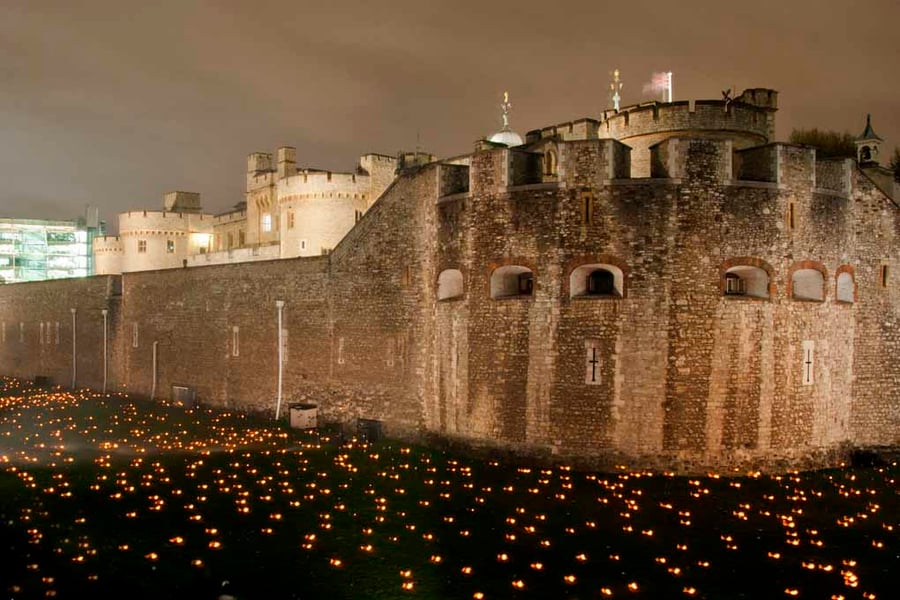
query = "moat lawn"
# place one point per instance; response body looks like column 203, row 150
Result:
column 105, row 496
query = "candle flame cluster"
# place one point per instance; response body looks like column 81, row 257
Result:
column 101, row 489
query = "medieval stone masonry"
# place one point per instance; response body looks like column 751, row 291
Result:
column 665, row 286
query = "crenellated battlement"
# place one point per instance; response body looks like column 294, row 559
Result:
column 323, row 184
column 699, row 115
column 107, row 243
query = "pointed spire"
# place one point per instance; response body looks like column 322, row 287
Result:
column 869, row 133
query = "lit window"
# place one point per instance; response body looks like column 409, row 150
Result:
column 170, row 246
column 267, row 222
column 142, row 245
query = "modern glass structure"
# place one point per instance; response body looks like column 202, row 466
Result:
column 35, row 249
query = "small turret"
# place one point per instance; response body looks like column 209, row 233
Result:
column 259, row 162
column 867, row 146
column 287, row 162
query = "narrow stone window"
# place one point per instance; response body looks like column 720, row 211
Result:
column 21, row 332
column 42, row 334
column 550, row 163
column 792, row 216
column 340, row 351
column 235, row 341
column 134, row 335
column 230, row 240
column 170, row 246
column 587, row 208
column 592, row 362
column 358, row 215
column 389, row 353
column 406, row 276
column 241, row 238
column 883, row 276
column 290, row 219
column 56, row 333
column 3, row 332
column 142, row 246
column 808, row 362
column 326, row 250
column 303, row 244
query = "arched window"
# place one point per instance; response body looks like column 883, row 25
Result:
column 550, row 162
column 512, row 281
column 450, row 284
column 746, row 280
column 808, row 284
column 845, row 287
column 596, row 280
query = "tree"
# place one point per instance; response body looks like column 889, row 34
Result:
column 895, row 164
column 828, row 144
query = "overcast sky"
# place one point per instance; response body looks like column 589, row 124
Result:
column 114, row 102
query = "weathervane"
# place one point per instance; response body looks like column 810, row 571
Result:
column 504, row 111
column 726, row 97
column 614, row 89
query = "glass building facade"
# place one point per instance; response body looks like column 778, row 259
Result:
column 34, row 250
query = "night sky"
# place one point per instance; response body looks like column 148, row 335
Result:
column 112, row 103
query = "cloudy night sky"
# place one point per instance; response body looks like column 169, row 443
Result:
column 112, row 103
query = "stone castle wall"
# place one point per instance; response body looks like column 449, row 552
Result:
column 669, row 371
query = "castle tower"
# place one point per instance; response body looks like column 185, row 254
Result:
column 867, row 146
column 287, row 162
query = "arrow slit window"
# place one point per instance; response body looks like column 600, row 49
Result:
column 592, row 362
column 809, row 362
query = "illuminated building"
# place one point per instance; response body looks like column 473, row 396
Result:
column 37, row 249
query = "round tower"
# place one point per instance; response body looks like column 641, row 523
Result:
column 748, row 120
column 107, row 255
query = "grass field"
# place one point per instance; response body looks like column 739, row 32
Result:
column 106, row 496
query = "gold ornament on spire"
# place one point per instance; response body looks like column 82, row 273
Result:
column 614, row 88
